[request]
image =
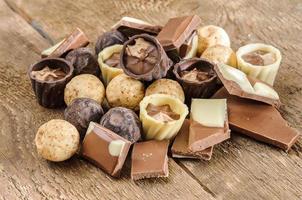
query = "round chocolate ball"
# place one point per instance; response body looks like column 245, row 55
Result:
column 108, row 39
column 123, row 122
column 81, row 112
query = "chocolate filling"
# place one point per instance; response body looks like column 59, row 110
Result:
column 141, row 56
column 260, row 58
column 162, row 113
column 113, row 60
column 195, row 75
column 48, row 74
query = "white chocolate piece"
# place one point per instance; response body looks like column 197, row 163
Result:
column 193, row 51
column 133, row 20
column 158, row 130
column 211, row 35
column 85, row 86
column 108, row 73
column 51, row 49
column 116, row 147
column 264, row 90
column 209, row 112
column 57, row 140
column 266, row 73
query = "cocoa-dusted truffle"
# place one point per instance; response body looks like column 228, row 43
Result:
column 81, row 112
column 197, row 77
column 84, row 61
column 143, row 58
column 123, row 122
column 49, row 77
column 108, row 39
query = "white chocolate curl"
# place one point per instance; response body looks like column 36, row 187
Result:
column 266, row 73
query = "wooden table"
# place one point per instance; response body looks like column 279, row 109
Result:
column 241, row 168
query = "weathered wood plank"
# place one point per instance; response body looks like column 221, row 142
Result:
column 23, row 175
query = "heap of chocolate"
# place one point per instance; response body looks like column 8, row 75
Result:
column 128, row 96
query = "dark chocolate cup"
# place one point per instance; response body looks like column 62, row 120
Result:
column 50, row 94
column 204, row 89
column 159, row 70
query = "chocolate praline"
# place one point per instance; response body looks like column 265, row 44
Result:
column 108, row 39
column 123, row 122
column 203, row 88
column 158, row 65
column 50, row 93
column 81, row 112
column 84, row 61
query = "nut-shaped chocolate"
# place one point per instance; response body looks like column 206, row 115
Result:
column 124, row 91
column 84, row 61
column 81, row 112
column 143, row 58
column 220, row 54
column 108, row 39
column 86, row 86
column 166, row 86
column 50, row 92
column 123, row 122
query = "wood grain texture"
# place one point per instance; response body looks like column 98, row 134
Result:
column 241, row 168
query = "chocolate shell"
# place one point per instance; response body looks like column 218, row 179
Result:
column 50, row 93
column 160, row 68
column 123, row 122
column 202, row 89
column 84, row 61
column 108, row 39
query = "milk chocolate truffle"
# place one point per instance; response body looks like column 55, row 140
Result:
column 57, row 140
column 162, row 116
column 108, row 39
column 49, row 77
column 86, row 86
column 197, row 77
column 143, row 58
column 220, row 54
column 211, row 35
column 109, row 61
column 166, row 86
column 84, row 61
column 123, row 122
column 124, row 91
column 81, row 112
column 259, row 61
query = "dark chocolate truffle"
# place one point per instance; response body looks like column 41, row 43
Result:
column 143, row 58
column 123, row 122
column 108, row 39
column 81, row 112
column 49, row 77
column 84, row 61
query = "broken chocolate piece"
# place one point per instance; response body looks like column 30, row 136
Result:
column 197, row 77
column 75, row 40
column 150, row 160
column 180, row 147
column 84, row 61
column 108, row 39
column 143, row 58
column 162, row 113
column 237, row 83
column 130, row 26
column 105, row 149
column 49, row 77
column 259, row 121
column 123, row 122
column 209, row 123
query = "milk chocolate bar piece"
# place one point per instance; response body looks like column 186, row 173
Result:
column 105, row 149
column 259, row 121
column 237, row 83
column 75, row 40
column 210, row 130
column 180, row 148
column 150, row 159
column 131, row 26
column 177, row 31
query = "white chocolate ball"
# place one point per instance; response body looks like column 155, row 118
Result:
column 220, row 54
column 84, row 86
column 57, row 140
